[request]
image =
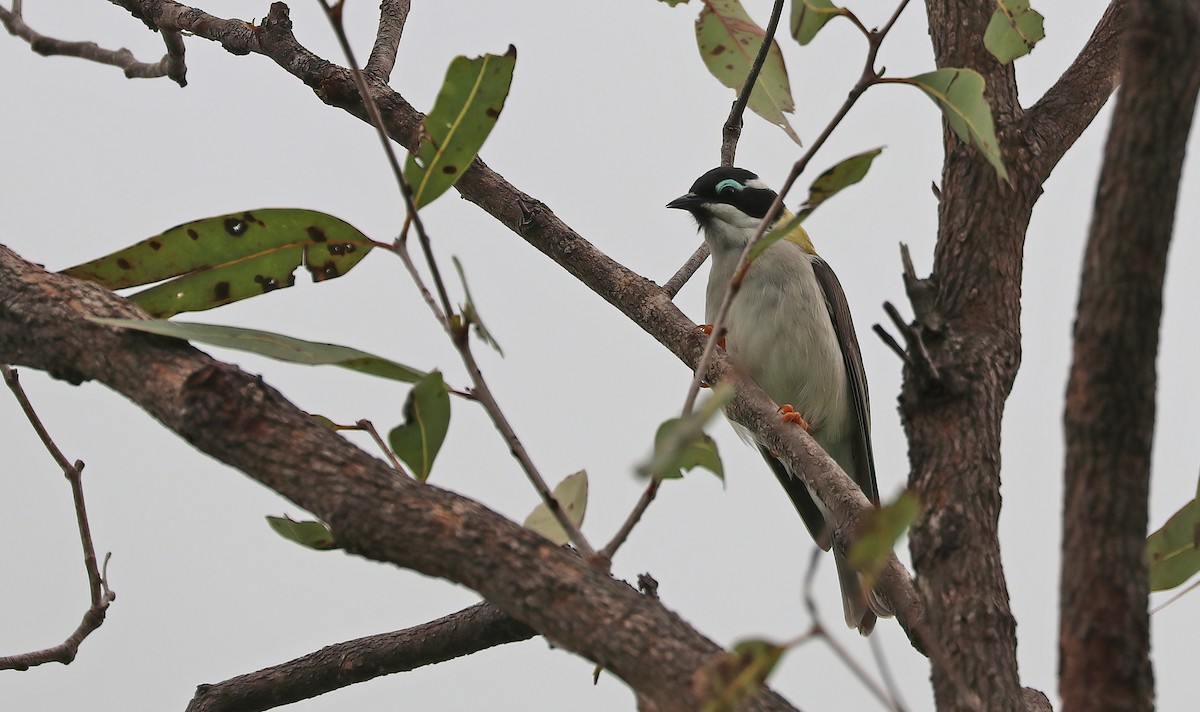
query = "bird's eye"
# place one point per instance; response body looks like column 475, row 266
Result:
column 729, row 187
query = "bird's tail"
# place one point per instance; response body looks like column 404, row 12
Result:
column 861, row 608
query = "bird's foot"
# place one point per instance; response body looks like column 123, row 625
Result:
column 707, row 330
column 789, row 415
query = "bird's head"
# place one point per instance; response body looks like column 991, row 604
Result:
column 728, row 204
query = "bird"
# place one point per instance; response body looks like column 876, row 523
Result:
column 790, row 329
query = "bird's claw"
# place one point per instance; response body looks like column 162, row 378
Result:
column 707, row 330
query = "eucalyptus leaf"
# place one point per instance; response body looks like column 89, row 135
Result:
column 426, row 420
column 728, row 679
column 272, row 345
column 464, row 113
column 729, row 41
column 1173, row 551
column 228, row 258
column 312, row 534
column 809, row 16
column 959, row 94
column 571, row 495
column 1013, row 30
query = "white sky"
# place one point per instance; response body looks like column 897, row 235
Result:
column 611, row 115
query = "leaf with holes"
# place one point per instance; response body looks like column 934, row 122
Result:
column 571, row 495
column 959, row 94
column 426, row 420
column 809, row 16
column 1013, row 30
column 312, row 534
column 227, row 258
column 831, row 182
column 272, row 345
column 467, row 107
column 729, row 41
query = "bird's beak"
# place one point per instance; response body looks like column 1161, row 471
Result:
column 686, row 202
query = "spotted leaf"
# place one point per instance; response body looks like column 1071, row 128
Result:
column 227, row 258
column 466, row 109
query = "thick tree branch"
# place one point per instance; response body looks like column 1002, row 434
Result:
column 238, row 419
column 1109, row 419
column 1055, row 122
column 392, row 16
column 468, row 631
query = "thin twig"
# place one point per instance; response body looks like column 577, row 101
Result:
column 868, row 78
column 382, row 60
column 171, row 65
column 732, row 130
column 368, row 426
column 631, row 521
column 101, row 594
column 459, row 332
column 675, row 283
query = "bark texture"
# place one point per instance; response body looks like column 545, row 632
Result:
column 1105, row 627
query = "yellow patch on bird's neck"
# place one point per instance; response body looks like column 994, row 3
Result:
column 796, row 235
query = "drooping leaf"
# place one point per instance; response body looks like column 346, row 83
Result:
column 467, row 107
column 571, row 495
column 832, row 181
column 312, row 534
column 471, row 313
column 729, row 41
column 809, row 16
column 1013, row 30
column 681, row 443
column 882, row 529
column 1173, row 551
column 729, row 678
column 227, row 258
column 271, row 345
column 426, row 419
column 959, row 94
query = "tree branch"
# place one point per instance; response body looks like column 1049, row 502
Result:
column 382, row 60
column 1055, row 122
column 1109, row 418
column 171, row 65
column 101, row 595
column 333, row 667
column 238, row 419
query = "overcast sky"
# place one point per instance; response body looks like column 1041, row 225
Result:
column 611, row 115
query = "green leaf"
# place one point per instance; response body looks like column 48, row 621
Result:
column 276, row 346
column 1013, row 30
column 673, row 3
column 832, row 181
column 809, row 16
column 471, row 313
column 426, row 420
column 231, row 257
column 729, row 678
column 790, row 226
column 729, row 41
column 314, row 535
column 467, row 107
column 1173, row 551
column 681, row 443
column 571, row 495
column 879, row 534
column 959, row 94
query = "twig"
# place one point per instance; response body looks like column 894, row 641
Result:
column 1174, row 598
column 369, row 427
column 675, row 283
column 732, row 130
column 382, row 60
column 459, row 332
column 101, row 594
column 171, row 65
column 868, row 78
column 468, row 631
column 631, row 521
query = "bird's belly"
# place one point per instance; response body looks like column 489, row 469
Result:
column 787, row 344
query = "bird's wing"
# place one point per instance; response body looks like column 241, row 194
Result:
column 802, row 500
column 843, row 326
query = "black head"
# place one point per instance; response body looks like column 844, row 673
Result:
column 736, row 187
